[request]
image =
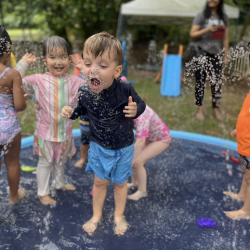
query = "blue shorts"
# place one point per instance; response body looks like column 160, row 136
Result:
column 110, row 164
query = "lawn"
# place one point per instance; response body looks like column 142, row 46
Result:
column 26, row 34
column 178, row 113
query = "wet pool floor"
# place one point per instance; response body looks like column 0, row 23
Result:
column 185, row 183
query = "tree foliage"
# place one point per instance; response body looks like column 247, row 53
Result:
column 78, row 19
column 66, row 18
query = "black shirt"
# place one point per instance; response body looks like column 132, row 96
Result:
column 108, row 125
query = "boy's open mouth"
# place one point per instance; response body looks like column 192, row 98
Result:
column 95, row 84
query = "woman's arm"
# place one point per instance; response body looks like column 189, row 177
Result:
column 226, row 44
column 196, row 32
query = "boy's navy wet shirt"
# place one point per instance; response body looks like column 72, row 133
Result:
column 108, row 125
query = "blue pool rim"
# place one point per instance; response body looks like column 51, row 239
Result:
column 27, row 142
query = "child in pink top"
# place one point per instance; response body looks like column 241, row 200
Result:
column 53, row 134
column 152, row 138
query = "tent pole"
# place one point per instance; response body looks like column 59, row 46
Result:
column 1, row 10
column 119, row 30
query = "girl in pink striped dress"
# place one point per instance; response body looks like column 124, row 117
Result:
column 53, row 135
column 152, row 138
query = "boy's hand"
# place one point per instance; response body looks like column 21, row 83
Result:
column 233, row 133
column 77, row 62
column 66, row 112
column 29, row 58
column 131, row 109
column 27, row 97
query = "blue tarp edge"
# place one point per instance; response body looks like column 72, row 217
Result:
column 27, row 142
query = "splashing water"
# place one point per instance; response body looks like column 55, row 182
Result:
column 237, row 68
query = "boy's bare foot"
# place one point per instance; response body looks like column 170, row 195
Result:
column 121, row 226
column 218, row 115
column 68, row 187
column 238, row 215
column 200, row 116
column 233, row 196
column 80, row 163
column 91, row 225
column 71, row 155
column 137, row 195
column 131, row 185
column 47, row 200
column 20, row 194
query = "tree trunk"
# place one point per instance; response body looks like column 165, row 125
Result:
column 246, row 23
column 1, row 10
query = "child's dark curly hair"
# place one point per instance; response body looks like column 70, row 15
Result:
column 5, row 41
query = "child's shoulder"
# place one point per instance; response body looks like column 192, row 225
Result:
column 124, row 86
column 12, row 74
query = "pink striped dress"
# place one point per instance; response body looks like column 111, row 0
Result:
column 53, row 134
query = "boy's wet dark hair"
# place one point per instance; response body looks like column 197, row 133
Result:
column 5, row 41
column 53, row 42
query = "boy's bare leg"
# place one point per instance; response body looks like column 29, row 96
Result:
column 99, row 195
column 243, row 190
column 84, row 155
column 11, row 159
column 244, row 212
column 121, row 192
column 150, row 151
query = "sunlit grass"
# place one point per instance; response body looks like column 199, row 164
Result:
column 26, row 35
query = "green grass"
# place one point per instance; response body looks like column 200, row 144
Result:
column 178, row 113
column 26, row 35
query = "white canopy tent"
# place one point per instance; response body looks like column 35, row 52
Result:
column 164, row 12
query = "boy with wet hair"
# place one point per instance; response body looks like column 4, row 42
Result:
column 112, row 105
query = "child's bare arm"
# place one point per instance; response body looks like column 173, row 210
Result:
column 29, row 58
column 76, row 62
column 18, row 95
column 233, row 133
column 23, row 65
